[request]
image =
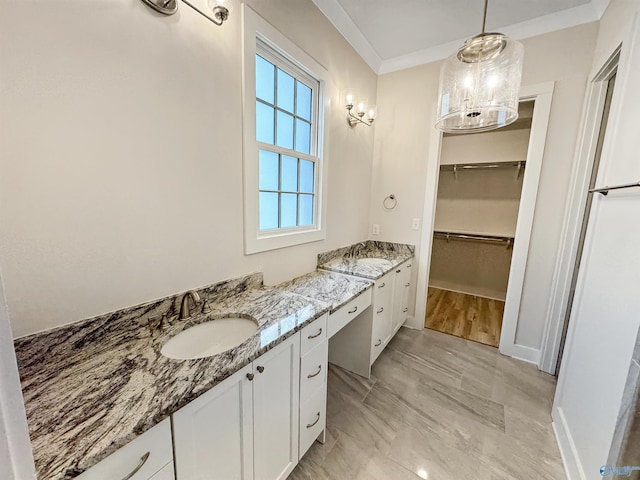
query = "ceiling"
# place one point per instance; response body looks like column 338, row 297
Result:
column 394, row 34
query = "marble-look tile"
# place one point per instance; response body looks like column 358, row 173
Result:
column 382, row 468
column 327, row 287
column 92, row 387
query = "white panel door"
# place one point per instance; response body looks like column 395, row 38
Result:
column 213, row 439
column 276, row 395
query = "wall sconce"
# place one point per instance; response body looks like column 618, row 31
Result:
column 218, row 9
column 361, row 109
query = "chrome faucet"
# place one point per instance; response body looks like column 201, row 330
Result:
column 184, row 306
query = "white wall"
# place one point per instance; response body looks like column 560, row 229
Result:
column 406, row 101
column 121, row 154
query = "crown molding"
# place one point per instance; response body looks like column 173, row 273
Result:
column 570, row 17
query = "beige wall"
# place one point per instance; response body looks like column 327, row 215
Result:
column 121, row 154
column 406, row 101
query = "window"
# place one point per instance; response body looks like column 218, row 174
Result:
column 284, row 169
column 286, row 133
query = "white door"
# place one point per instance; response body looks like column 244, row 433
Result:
column 604, row 317
column 276, row 396
column 213, row 437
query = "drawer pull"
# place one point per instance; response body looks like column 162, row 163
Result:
column 382, row 285
column 398, row 271
column 407, row 284
column 314, row 423
column 311, row 375
column 355, row 309
column 316, row 335
column 379, row 343
column 143, row 460
column 381, row 310
column 405, row 310
column 250, row 376
column 409, row 266
column 260, row 368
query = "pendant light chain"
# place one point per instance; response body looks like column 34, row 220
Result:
column 484, row 16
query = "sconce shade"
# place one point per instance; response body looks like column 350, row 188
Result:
column 480, row 85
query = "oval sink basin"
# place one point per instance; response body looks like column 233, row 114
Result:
column 373, row 261
column 209, row 338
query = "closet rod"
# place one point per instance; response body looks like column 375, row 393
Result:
column 605, row 190
column 472, row 166
column 472, row 236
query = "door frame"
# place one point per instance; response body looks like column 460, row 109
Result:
column 542, row 94
column 574, row 212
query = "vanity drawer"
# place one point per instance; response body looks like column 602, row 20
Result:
column 154, row 445
column 313, row 371
column 384, row 285
column 348, row 312
column 313, row 334
column 312, row 420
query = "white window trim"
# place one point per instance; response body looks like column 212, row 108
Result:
column 255, row 241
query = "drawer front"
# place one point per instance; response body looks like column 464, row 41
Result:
column 348, row 312
column 384, row 285
column 154, row 445
column 312, row 420
column 313, row 371
column 313, row 334
column 165, row 474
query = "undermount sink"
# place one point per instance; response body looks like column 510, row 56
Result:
column 209, row 338
column 373, row 261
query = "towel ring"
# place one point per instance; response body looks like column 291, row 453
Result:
column 390, row 202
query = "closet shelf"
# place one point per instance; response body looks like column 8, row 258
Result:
column 456, row 167
column 474, row 237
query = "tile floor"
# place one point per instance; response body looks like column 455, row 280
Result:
column 439, row 408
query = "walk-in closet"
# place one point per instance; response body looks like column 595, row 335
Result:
column 479, row 190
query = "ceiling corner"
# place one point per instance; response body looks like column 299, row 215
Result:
column 348, row 29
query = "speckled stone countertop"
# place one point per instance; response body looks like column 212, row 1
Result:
column 331, row 288
column 344, row 260
column 93, row 386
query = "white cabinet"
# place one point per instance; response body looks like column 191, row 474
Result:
column 313, row 385
column 247, row 426
column 382, row 314
column 276, row 396
column 146, row 457
column 213, row 435
column 402, row 288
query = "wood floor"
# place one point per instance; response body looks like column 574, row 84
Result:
column 439, row 408
column 466, row 316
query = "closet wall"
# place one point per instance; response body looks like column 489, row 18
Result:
column 479, row 201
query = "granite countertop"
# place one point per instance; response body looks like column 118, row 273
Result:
column 344, row 260
column 331, row 288
column 92, row 387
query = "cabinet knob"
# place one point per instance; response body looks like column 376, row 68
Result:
column 381, row 310
column 250, row 376
column 379, row 343
column 143, row 460
column 260, row 368
column 407, row 284
column 382, row 285
column 398, row 271
column 405, row 310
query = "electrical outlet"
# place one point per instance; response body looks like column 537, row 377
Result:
column 415, row 224
column 375, row 230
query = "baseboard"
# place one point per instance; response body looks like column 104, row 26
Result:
column 520, row 352
column 568, row 452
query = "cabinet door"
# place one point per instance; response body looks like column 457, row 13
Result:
column 276, row 396
column 398, row 304
column 406, row 290
column 213, row 437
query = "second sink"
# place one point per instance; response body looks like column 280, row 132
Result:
column 209, row 338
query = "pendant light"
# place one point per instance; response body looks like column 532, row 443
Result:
column 480, row 84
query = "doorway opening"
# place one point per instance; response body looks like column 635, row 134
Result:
column 610, row 80
column 478, row 201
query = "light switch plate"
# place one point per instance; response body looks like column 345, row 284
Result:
column 375, row 229
column 415, row 224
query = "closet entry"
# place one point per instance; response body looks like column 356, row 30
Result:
column 479, row 190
